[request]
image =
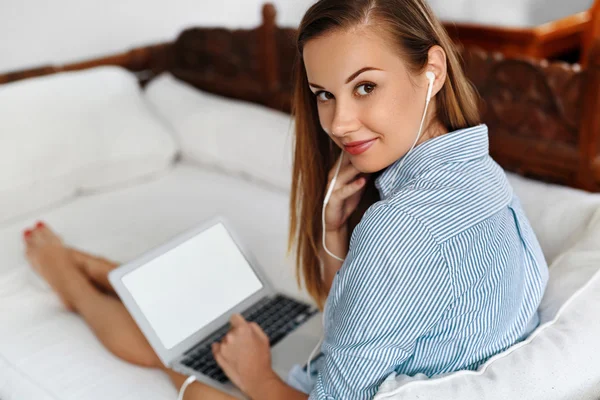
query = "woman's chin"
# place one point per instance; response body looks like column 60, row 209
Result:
column 367, row 165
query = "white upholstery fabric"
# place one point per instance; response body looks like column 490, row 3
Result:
column 76, row 131
column 507, row 13
column 16, row 385
column 54, row 348
column 558, row 214
column 234, row 136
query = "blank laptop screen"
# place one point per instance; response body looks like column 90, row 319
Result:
column 192, row 284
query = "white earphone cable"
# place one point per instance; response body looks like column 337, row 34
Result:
column 327, row 196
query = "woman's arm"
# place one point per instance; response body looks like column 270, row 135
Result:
column 276, row 389
column 395, row 285
column 337, row 243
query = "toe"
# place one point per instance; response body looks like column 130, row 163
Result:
column 46, row 234
column 27, row 236
column 36, row 238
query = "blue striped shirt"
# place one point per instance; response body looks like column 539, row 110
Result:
column 442, row 273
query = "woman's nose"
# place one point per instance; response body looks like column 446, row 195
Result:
column 344, row 121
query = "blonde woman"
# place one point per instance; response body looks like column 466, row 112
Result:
column 422, row 258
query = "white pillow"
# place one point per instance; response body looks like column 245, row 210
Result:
column 76, row 131
column 558, row 214
column 234, row 136
column 560, row 358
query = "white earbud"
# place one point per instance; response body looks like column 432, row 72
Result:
column 431, row 77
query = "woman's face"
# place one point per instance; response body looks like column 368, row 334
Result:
column 364, row 92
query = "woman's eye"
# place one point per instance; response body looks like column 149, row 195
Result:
column 365, row 89
column 323, row 96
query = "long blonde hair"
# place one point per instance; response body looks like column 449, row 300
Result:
column 415, row 30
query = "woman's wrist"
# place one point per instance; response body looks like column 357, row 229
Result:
column 261, row 387
column 337, row 240
column 342, row 230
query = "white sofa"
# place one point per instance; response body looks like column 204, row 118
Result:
column 49, row 353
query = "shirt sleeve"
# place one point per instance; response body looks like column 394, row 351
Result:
column 392, row 288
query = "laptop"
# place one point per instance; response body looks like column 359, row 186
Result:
column 182, row 294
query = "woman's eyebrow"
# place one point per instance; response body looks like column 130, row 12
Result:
column 350, row 78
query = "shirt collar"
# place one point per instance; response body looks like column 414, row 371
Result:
column 458, row 146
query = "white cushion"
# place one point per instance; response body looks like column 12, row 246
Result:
column 234, row 136
column 558, row 214
column 507, row 13
column 559, row 360
column 77, row 131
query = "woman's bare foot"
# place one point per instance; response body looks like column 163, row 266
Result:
column 95, row 268
column 55, row 263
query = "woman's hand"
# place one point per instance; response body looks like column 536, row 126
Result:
column 244, row 355
column 349, row 187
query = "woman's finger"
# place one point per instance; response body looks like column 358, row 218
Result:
column 347, row 175
column 216, row 347
column 226, row 347
column 353, row 201
column 224, row 339
column 345, row 162
column 258, row 330
column 219, row 358
column 236, row 321
column 348, row 190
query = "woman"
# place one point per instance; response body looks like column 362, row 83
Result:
column 429, row 264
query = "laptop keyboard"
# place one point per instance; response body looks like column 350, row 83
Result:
column 277, row 316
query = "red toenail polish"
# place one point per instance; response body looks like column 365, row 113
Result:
column 27, row 233
column 39, row 225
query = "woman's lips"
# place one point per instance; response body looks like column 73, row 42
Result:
column 357, row 148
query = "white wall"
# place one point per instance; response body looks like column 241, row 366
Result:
column 38, row 32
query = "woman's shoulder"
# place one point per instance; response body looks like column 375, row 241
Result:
column 385, row 223
column 452, row 199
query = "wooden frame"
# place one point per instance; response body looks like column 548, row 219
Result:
column 592, row 31
column 544, row 118
column 145, row 61
column 548, row 40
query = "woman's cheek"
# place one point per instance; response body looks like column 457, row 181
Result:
column 381, row 117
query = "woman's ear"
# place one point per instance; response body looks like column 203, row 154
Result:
column 436, row 63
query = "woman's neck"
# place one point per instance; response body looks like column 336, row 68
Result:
column 433, row 129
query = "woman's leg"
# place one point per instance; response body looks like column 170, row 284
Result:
column 96, row 269
column 105, row 314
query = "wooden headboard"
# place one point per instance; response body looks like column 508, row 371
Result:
column 544, row 118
